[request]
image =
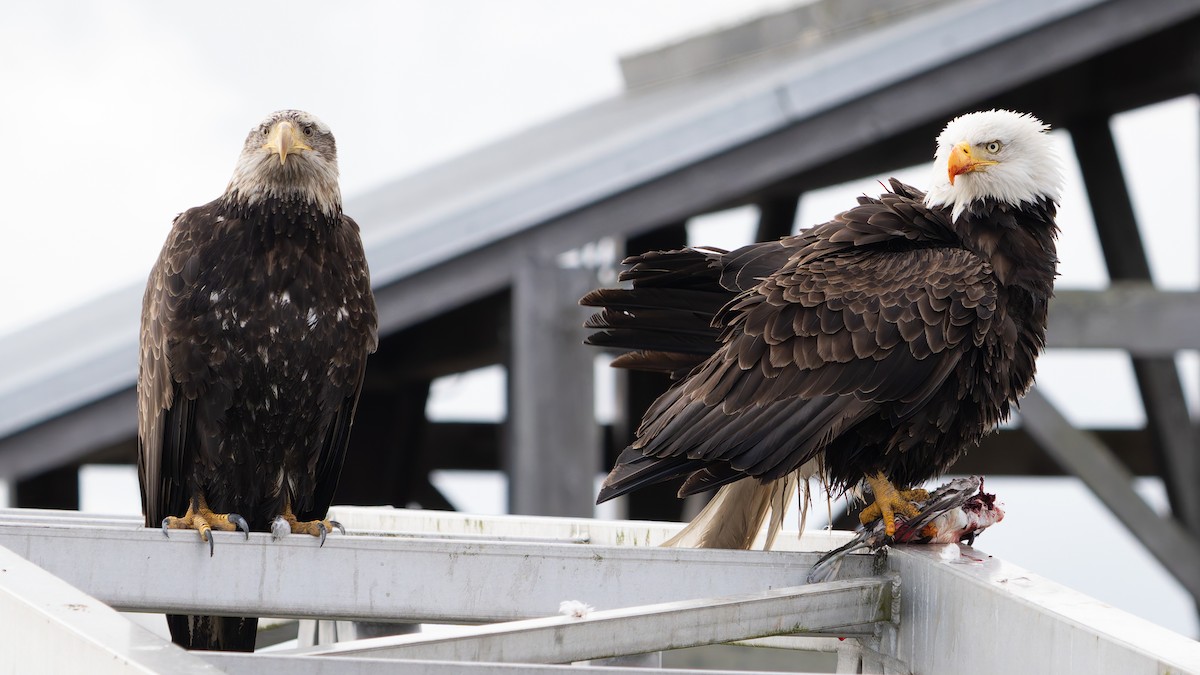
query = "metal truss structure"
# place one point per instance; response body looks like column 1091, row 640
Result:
column 65, row 578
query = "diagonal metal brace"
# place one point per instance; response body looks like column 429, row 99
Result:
column 1083, row 454
column 842, row 608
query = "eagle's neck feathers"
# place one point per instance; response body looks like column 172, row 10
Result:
column 1018, row 241
column 1014, row 188
column 259, row 178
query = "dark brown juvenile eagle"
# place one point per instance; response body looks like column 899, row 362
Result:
column 874, row 347
column 256, row 325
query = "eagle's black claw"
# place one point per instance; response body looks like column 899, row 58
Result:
column 241, row 524
column 210, row 544
column 166, row 521
column 339, row 526
column 323, row 531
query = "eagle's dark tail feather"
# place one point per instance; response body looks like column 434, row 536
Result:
column 665, row 322
column 213, row 633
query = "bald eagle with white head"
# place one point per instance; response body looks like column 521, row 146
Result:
column 256, row 325
column 873, row 348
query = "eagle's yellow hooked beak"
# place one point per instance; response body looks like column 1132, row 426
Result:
column 962, row 160
column 284, row 140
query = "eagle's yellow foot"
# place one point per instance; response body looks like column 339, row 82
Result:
column 201, row 519
column 889, row 501
column 286, row 523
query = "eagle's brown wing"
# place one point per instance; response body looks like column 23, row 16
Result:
column 165, row 417
column 346, row 372
column 868, row 317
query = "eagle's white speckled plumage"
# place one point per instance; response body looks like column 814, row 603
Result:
column 1027, row 167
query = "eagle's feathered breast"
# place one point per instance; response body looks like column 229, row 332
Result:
column 266, row 317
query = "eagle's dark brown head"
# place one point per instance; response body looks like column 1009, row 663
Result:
column 291, row 155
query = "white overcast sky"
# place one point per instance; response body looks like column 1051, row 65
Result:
column 118, row 115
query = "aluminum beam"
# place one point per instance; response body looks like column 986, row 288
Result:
column 956, row 604
column 842, row 607
column 965, row 611
column 52, row 627
column 534, row 529
column 390, row 521
column 383, row 578
column 275, row 664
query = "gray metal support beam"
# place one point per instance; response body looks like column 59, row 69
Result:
column 776, row 217
column 433, row 566
column 311, row 633
column 1046, row 628
column 1081, row 453
column 289, row 664
column 844, row 608
column 108, row 420
column 1158, row 378
column 57, row 488
column 52, row 627
column 554, row 441
column 396, row 578
column 1131, row 315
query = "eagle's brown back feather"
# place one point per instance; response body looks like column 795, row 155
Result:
column 880, row 340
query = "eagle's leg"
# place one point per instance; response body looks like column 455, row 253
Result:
column 288, row 523
column 889, row 501
column 203, row 520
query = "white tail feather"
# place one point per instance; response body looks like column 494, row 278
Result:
column 736, row 513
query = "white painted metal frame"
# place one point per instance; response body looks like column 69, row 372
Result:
column 849, row 608
column 53, row 627
column 958, row 608
column 381, row 577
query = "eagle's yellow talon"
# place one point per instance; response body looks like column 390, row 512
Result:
column 316, row 528
column 203, row 520
column 888, row 502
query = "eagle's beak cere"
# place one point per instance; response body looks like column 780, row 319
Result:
column 283, row 140
column 963, row 161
